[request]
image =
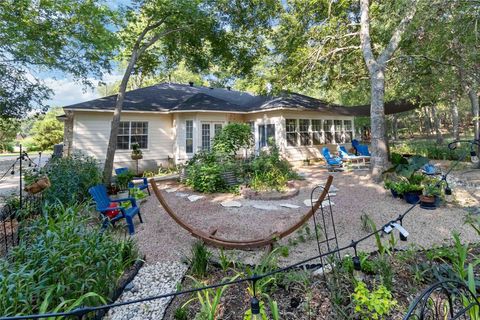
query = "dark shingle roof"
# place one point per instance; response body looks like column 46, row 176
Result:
column 172, row 97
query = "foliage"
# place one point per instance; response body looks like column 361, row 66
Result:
column 61, row 262
column 9, row 128
column 232, row 138
column 136, row 151
column 406, row 167
column 372, row 304
column 180, row 314
column 70, row 178
column 75, row 37
column 432, row 187
column 199, row 259
column 161, row 171
column 210, row 300
column 47, row 130
column 204, row 173
column 123, row 178
column 268, row 171
column 137, row 193
column 428, row 149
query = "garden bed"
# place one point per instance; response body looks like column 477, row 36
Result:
column 290, row 191
column 301, row 294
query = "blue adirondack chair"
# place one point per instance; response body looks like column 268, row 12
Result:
column 360, row 149
column 142, row 186
column 331, row 161
column 99, row 194
column 343, row 153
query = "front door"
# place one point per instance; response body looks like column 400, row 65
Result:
column 208, row 132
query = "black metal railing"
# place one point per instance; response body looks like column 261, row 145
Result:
column 448, row 299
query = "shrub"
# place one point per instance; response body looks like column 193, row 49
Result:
column 232, row 138
column 70, row 178
column 59, row 259
column 429, row 149
column 204, row 173
column 372, row 304
column 268, row 171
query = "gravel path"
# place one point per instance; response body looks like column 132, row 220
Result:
column 161, row 239
column 154, row 279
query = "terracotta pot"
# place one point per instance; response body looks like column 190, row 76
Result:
column 427, row 199
column 38, row 186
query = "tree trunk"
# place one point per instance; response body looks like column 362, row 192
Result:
column 455, row 119
column 472, row 94
column 436, row 124
column 379, row 158
column 428, row 124
column 112, row 142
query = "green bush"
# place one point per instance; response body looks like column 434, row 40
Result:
column 372, row 304
column 61, row 261
column 204, row 173
column 232, row 138
column 268, row 171
column 429, row 149
column 70, row 178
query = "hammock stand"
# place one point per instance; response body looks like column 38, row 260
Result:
column 215, row 241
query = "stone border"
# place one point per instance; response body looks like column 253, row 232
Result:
column 251, row 194
column 124, row 280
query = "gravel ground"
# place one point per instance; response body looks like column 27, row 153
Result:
column 154, row 279
column 161, row 239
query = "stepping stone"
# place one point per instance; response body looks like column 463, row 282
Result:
column 195, row 197
column 308, row 203
column 231, row 204
column 171, row 190
column 332, row 194
column 332, row 188
column 267, row 207
column 181, row 194
column 288, row 205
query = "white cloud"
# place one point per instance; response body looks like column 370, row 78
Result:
column 67, row 91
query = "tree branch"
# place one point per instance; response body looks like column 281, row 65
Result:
column 397, row 35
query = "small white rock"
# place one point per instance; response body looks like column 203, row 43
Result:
column 231, row 204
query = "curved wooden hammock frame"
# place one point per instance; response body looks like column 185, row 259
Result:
column 240, row 244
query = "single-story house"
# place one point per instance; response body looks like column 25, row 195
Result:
column 171, row 122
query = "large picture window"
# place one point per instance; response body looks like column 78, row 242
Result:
column 292, row 132
column 304, row 133
column 189, row 136
column 327, row 129
column 348, row 131
column 130, row 132
column 317, row 137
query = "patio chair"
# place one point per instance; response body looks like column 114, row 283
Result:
column 332, row 162
column 360, row 149
column 132, row 184
column 111, row 213
column 353, row 159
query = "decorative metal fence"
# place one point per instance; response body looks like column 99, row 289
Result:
column 445, row 300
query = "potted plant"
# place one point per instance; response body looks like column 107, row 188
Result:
column 122, row 182
column 137, row 154
column 412, row 192
column 430, row 199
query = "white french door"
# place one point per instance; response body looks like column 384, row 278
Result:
column 208, row 132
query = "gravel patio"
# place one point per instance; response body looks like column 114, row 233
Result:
column 161, row 239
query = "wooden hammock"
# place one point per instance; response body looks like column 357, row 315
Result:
column 240, row 244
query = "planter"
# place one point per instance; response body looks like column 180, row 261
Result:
column 137, row 156
column 429, row 202
column 230, row 178
column 394, row 193
column 38, row 186
column 412, row 197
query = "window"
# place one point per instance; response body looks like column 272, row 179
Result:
column 189, row 136
column 291, row 130
column 130, row 132
column 338, row 130
column 317, row 137
column 327, row 129
column 348, row 132
column 266, row 133
column 217, row 128
column 304, row 134
column 205, row 136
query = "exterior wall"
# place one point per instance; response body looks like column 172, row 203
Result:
column 294, row 153
column 92, row 130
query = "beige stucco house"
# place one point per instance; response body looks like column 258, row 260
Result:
column 171, row 122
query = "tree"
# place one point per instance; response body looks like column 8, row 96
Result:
column 72, row 36
column 8, row 132
column 200, row 33
column 47, row 130
column 376, row 67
